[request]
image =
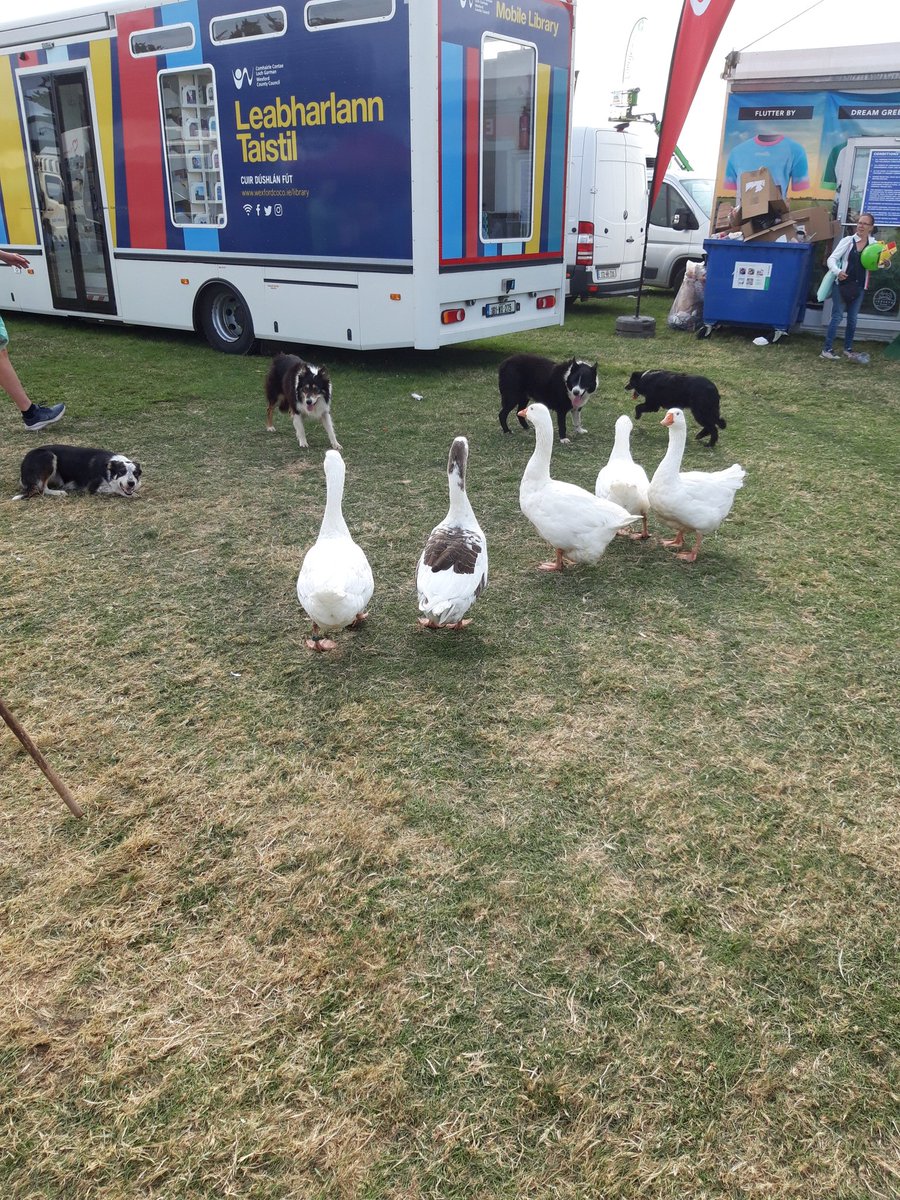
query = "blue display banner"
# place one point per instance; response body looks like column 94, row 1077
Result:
column 798, row 136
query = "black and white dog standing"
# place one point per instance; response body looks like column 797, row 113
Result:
column 563, row 387
column 55, row 470
column 304, row 391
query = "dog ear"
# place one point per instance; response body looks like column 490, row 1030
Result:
column 137, row 470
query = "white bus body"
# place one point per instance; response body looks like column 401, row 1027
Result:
column 358, row 173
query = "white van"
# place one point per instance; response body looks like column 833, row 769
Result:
column 606, row 209
column 679, row 221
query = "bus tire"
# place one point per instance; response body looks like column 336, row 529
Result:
column 226, row 321
column 677, row 278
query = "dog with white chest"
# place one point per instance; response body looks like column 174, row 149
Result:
column 304, row 391
column 562, row 387
column 56, row 470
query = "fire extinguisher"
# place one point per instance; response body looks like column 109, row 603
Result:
column 525, row 129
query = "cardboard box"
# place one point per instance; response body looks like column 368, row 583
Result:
column 724, row 216
column 783, row 229
column 759, row 194
column 815, row 224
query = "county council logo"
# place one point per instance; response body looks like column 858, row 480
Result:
column 884, row 300
column 242, row 76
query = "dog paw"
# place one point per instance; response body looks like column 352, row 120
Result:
column 564, row 441
column 336, row 446
column 270, row 429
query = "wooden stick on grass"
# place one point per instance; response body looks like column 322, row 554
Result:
column 40, row 760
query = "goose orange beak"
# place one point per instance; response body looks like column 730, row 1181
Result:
column 667, row 419
column 521, row 413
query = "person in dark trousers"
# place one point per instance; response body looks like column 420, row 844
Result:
column 849, row 286
column 34, row 416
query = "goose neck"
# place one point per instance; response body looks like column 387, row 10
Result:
column 333, row 523
column 622, row 443
column 461, row 512
column 538, row 467
column 671, row 463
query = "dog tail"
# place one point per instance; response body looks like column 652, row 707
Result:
column 720, row 421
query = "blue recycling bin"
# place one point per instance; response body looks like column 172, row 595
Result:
column 756, row 283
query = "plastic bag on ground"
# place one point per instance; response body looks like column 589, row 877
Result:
column 687, row 311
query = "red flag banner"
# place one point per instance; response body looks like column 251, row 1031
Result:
column 698, row 31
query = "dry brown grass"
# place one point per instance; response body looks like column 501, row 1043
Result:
column 596, row 900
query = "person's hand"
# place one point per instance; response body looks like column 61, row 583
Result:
column 842, row 275
column 12, row 259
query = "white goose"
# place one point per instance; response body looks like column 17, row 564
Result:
column 335, row 582
column 690, row 500
column 453, row 568
column 577, row 525
column 623, row 480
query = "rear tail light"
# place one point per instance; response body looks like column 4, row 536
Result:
column 584, row 249
column 451, row 316
column 546, row 302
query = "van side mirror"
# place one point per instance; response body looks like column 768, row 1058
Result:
column 683, row 220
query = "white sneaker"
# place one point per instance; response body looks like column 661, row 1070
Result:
column 830, row 355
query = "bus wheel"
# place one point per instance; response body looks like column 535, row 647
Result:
column 226, row 321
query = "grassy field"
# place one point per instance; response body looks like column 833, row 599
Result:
column 596, row 900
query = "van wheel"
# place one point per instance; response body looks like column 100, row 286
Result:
column 677, row 278
column 225, row 320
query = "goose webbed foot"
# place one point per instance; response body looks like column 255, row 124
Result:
column 558, row 563
column 691, row 555
column 318, row 641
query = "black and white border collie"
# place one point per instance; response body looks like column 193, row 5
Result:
column 55, row 470
column 304, row 391
column 563, row 387
column 657, row 390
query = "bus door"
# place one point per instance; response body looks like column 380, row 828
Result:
column 67, row 178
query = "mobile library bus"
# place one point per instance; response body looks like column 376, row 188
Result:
column 360, row 173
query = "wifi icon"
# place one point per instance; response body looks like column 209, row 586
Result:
column 248, row 209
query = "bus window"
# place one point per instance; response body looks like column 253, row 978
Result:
column 193, row 154
column 263, row 23
column 321, row 14
column 508, row 78
column 161, row 41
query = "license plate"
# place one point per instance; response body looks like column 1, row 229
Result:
column 503, row 308
column 608, row 274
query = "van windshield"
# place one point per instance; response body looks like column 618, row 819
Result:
column 700, row 191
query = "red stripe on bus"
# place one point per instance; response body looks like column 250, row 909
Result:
column 472, row 142
column 141, row 138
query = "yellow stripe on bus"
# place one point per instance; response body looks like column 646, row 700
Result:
column 21, row 227
column 540, row 153
column 101, row 71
